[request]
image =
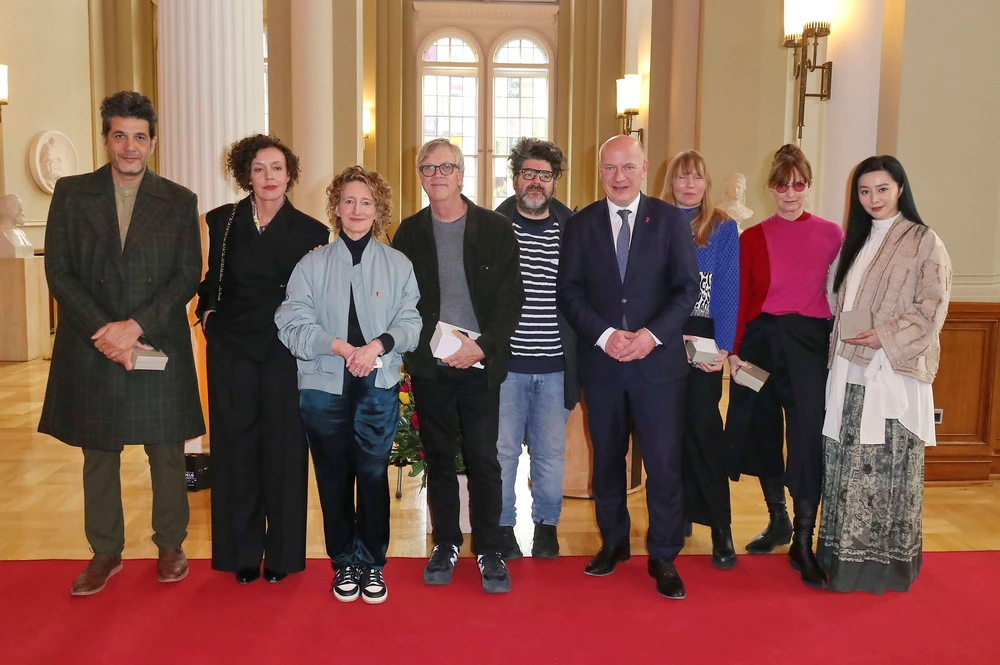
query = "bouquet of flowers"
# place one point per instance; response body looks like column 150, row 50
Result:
column 407, row 450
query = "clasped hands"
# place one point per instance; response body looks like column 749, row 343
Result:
column 625, row 346
column 117, row 339
column 359, row 360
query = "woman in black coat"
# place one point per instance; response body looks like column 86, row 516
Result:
column 259, row 450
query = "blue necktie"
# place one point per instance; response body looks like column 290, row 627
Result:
column 621, row 250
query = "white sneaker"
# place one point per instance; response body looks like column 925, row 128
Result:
column 346, row 585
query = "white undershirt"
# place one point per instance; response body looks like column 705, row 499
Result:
column 887, row 395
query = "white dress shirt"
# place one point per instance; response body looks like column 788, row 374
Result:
column 616, row 227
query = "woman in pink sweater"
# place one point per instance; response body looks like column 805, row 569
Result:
column 783, row 327
column 895, row 275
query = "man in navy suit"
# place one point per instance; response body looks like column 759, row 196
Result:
column 628, row 279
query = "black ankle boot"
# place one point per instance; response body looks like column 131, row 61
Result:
column 779, row 528
column 801, row 554
column 723, row 552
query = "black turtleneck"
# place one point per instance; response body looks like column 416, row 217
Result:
column 354, row 335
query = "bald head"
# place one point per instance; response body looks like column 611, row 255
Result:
column 622, row 166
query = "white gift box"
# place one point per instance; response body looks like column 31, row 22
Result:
column 853, row 323
column 701, row 350
column 751, row 376
column 149, row 360
column 444, row 343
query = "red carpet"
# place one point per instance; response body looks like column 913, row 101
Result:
column 553, row 615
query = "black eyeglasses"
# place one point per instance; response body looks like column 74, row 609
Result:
column 427, row 170
column 798, row 186
column 529, row 174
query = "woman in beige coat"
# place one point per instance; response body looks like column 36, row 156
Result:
column 892, row 285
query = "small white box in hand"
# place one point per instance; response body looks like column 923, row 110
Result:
column 149, row 360
column 444, row 343
column 701, row 350
column 855, row 322
column 751, row 376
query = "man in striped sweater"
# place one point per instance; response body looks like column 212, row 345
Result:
column 541, row 387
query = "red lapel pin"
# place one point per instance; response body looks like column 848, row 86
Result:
column 376, row 294
column 647, row 220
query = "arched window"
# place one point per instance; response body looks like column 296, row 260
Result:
column 520, row 104
column 450, row 96
column 512, row 101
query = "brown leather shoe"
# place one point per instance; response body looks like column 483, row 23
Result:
column 172, row 565
column 93, row 578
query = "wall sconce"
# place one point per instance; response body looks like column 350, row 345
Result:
column 807, row 20
column 3, row 89
column 366, row 122
column 629, row 93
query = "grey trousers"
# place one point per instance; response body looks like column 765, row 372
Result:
column 103, row 518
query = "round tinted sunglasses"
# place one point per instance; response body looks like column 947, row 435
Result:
column 798, row 186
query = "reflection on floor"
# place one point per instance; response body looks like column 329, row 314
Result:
column 41, row 500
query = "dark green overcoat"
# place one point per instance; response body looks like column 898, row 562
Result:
column 91, row 401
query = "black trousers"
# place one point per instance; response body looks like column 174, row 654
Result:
column 259, row 461
column 793, row 349
column 654, row 412
column 706, row 483
column 459, row 405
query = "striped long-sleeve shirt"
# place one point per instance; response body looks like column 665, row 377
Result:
column 535, row 346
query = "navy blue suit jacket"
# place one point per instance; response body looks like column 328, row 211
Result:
column 658, row 293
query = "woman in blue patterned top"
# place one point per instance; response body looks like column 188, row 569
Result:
column 716, row 237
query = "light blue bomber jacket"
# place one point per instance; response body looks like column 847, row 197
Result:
column 317, row 303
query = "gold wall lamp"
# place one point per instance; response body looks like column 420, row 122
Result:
column 629, row 91
column 805, row 21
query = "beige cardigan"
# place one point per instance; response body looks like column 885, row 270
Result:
column 907, row 287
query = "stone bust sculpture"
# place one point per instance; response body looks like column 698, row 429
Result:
column 734, row 191
column 13, row 243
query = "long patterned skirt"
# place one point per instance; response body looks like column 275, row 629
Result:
column 870, row 533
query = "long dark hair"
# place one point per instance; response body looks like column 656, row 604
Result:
column 859, row 222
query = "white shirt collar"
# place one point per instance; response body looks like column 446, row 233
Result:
column 633, row 207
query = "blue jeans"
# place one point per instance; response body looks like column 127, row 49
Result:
column 532, row 410
column 350, row 436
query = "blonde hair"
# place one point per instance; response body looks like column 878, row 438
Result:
column 703, row 223
column 381, row 193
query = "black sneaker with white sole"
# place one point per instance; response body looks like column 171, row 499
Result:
column 373, row 589
column 346, row 584
column 437, row 572
column 496, row 579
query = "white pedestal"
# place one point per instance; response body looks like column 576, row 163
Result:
column 24, row 309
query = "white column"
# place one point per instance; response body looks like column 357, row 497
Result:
column 850, row 129
column 210, row 92
column 210, row 70
column 312, row 36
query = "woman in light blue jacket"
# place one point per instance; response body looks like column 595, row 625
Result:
column 349, row 314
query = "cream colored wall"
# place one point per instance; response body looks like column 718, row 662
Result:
column 949, row 138
column 741, row 119
column 48, row 53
